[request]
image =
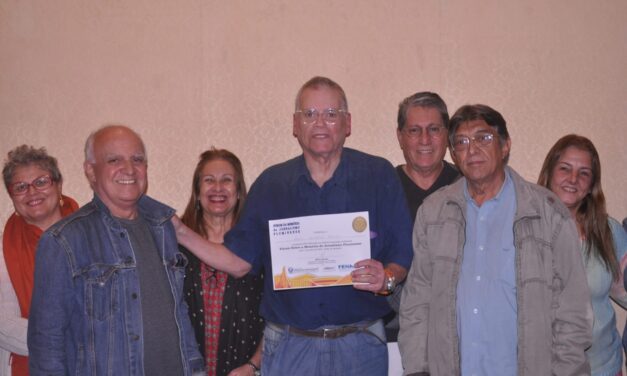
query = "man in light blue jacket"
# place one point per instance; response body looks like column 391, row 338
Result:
column 497, row 284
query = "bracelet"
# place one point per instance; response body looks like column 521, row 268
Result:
column 256, row 370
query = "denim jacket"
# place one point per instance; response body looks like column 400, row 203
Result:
column 86, row 315
column 554, row 311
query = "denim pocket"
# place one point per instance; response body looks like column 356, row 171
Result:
column 272, row 338
column 101, row 295
column 177, row 267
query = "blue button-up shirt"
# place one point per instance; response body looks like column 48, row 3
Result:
column 361, row 182
column 486, row 291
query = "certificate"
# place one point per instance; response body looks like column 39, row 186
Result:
column 318, row 250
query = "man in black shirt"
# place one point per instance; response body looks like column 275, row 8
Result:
column 423, row 136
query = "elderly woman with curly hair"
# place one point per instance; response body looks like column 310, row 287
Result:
column 33, row 181
column 572, row 170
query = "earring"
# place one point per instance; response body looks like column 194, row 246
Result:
column 197, row 205
column 61, row 202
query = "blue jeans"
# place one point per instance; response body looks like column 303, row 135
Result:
column 360, row 353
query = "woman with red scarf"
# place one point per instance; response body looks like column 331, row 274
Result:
column 33, row 181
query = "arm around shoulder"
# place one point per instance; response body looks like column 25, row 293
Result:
column 213, row 254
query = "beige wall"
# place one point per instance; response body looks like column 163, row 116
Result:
column 191, row 74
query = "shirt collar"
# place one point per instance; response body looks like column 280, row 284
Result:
column 506, row 188
column 339, row 177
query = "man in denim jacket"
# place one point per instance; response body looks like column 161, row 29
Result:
column 108, row 280
column 497, row 285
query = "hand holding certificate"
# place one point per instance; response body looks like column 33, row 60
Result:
column 318, row 251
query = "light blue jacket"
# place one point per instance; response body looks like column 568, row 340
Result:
column 86, row 317
column 554, row 312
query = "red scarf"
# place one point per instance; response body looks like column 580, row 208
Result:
column 20, row 242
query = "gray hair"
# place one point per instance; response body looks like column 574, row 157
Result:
column 89, row 143
column 317, row 82
column 25, row 155
column 472, row 112
column 422, row 99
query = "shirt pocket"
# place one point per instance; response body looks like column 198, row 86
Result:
column 444, row 244
column 536, row 261
column 102, row 291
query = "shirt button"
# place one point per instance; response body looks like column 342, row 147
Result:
column 478, row 278
column 475, row 311
column 134, row 337
column 481, row 248
column 134, row 295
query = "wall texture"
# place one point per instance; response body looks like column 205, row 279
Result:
column 191, row 74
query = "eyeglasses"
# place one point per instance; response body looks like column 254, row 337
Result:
column 433, row 131
column 40, row 184
column 330, row 116
column 482, row 139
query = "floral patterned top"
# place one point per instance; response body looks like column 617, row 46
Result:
column 224, row 312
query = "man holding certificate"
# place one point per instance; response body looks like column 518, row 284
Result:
column 332, row 228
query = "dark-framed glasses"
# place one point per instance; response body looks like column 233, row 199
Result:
column 330, row 116
column 482, row 139
column 433, row 131
column 40, row 184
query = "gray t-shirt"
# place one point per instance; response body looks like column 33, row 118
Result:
column 162, row 352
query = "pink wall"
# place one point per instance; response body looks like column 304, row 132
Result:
column 191, row 74
column 188, row 75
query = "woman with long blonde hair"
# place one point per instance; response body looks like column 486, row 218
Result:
column 572, row 170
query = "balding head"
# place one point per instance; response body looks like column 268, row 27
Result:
column 89, row 143
column 116, row 167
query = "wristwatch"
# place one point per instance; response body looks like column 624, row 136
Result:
column 389, row 284
column 256, row 370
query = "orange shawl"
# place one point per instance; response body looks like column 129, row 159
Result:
column 20, row 242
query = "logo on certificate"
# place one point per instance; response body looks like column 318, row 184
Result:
column 359, row 224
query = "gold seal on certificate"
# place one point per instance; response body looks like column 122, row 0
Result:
column 359, row 224
column 317, row 250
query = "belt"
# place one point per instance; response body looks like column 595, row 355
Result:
column 327, row 333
